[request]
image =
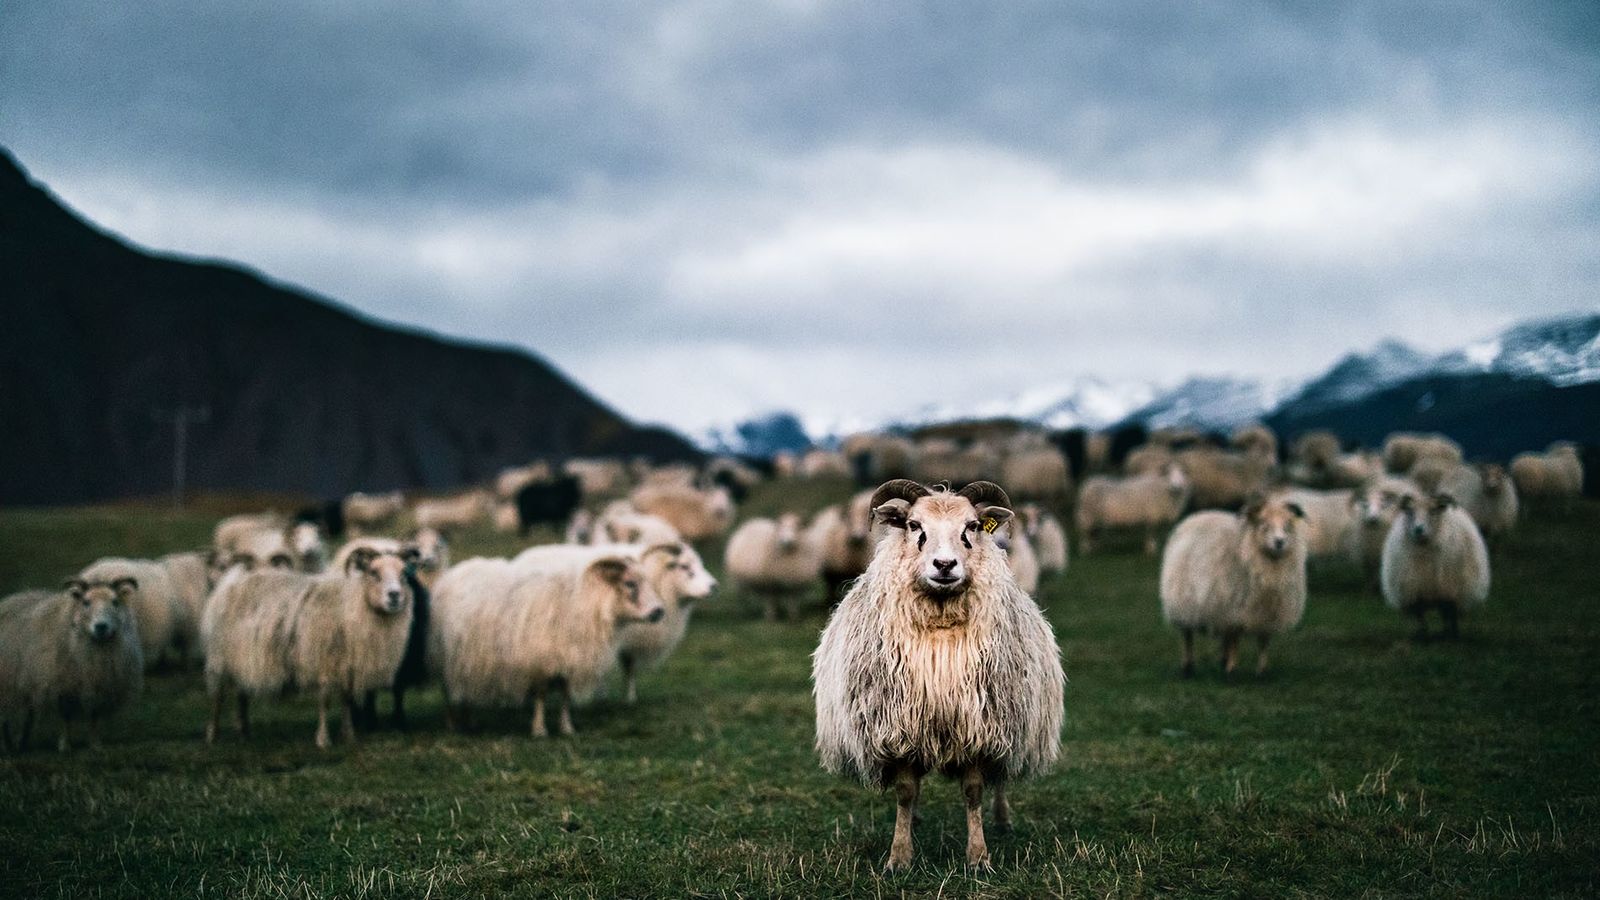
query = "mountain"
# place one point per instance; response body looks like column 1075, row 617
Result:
column 1359, row 374
column 1211, row 403
column 103, row 341
column 761, row 436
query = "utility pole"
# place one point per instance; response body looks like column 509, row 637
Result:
column 181, row 418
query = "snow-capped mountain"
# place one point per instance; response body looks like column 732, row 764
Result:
column 1564, row 351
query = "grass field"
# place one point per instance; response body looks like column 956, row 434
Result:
column 1363, row 764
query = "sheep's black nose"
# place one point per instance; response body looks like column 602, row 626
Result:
column 657, row 614
column 944, row 565
column 102, row 630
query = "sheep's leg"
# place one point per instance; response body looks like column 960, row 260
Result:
column 1085, row 541
column 564, row 723
column 369, row 710
column 907, row 784
column 791, row 607
column 771, row 613
column 1002, row 808
column 629, row 679
column 1421, row 634
column 243, row 721
column 1230, row 652
column 538, row 729
column 972, row 790
column 347, row 728
column 216, row 714
column 1188, row 653
column 1150, row 543
column 323, row 741
column 400, row 709
column 1261, row 653
column 1452, row 625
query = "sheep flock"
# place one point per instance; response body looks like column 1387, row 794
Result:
column 936, row 657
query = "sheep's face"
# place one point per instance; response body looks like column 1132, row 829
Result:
column 431, row 547
column 384, row 586
column 1274, row 525
column 788, row 534
column 582, row 526
column 1494, row 479
column 1423, row 517
column 636, row 599
column 683, row 570
column 306, row 539
column 100, row 610
column 1177, row 482
column 941, row 531
column 859, row 517
column 1377, row 505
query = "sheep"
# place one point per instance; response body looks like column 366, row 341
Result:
column 936, row 661
column 676, row 574
column 260, row 540
column 372, row 512
column 1556, row 473
column 547, row 502
column 1235, row 575
column 1329, row 516
column 1020, row 556
column 503, row 635
column 192, row 575
column 776, row 560
column 580, row 528
column 462, row 510
column 597, row 476
column 1487, row 494
column 504, row 518
column 1153, row 501
column 341, row 632
column 433, row 554
column 844, row 535
column 819, row 463
column 430, row 560
column 309, row 550
column 696, row 514
column 1048, row 538
column 878, row 458
column 1255, row 440
column 1315, row 451
column 76, row 651
column 1037, row 474
column 164, row 618
column 1430, row 472
column 1375, row 506
column 941, row 459
column 1403, row 450
column 231, row 532
column 1148, row 459
column 620, row 523
column 1219, row 479
column 1434, row 559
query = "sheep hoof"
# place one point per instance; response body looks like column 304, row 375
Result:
column 979, row 859
column 897, row 863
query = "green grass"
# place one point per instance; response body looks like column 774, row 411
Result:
column 1362, row 765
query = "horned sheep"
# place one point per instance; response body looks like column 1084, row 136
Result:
column 164, row 618
column 936, row 661
column 341, row 633
column 1434, row 560
column 1488, row 495
column 1235, row 575
column 75, row 652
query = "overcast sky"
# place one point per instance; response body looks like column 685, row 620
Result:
column 705, row 209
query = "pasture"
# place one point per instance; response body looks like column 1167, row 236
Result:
column 1362, row 764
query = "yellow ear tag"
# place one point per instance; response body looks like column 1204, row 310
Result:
column 989, row 525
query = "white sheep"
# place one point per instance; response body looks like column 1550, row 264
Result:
column 620, row 523
column 776, row 560
column 1434, row 560
column 676, row 574
column 163, row 616
column 936, row 661
column 1556, row 473
column 1012, row 537
column 693, row 513
column 75, row 652
column 1048, row 537
column 1235, row 575
column 342, row 633
column 372, row 512
column 844, row 533
column 502, row 634
column 1403, row 450
column 463, row 510
column 1152, row 502
column 1037, row 473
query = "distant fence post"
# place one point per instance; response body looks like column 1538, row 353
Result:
column 181, row 418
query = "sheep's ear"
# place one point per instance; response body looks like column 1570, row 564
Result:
column 893, row 513
column 991, row 518
column 1298, row 510
column 409, row 554
column 611, row 569
column 125, row 587
column 1253, row 506
column 1407, row 502
column 76, row 587
column 360, row 559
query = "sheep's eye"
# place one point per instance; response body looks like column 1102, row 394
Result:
column 914, row 525
column 84, row 603
column 972, row 526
